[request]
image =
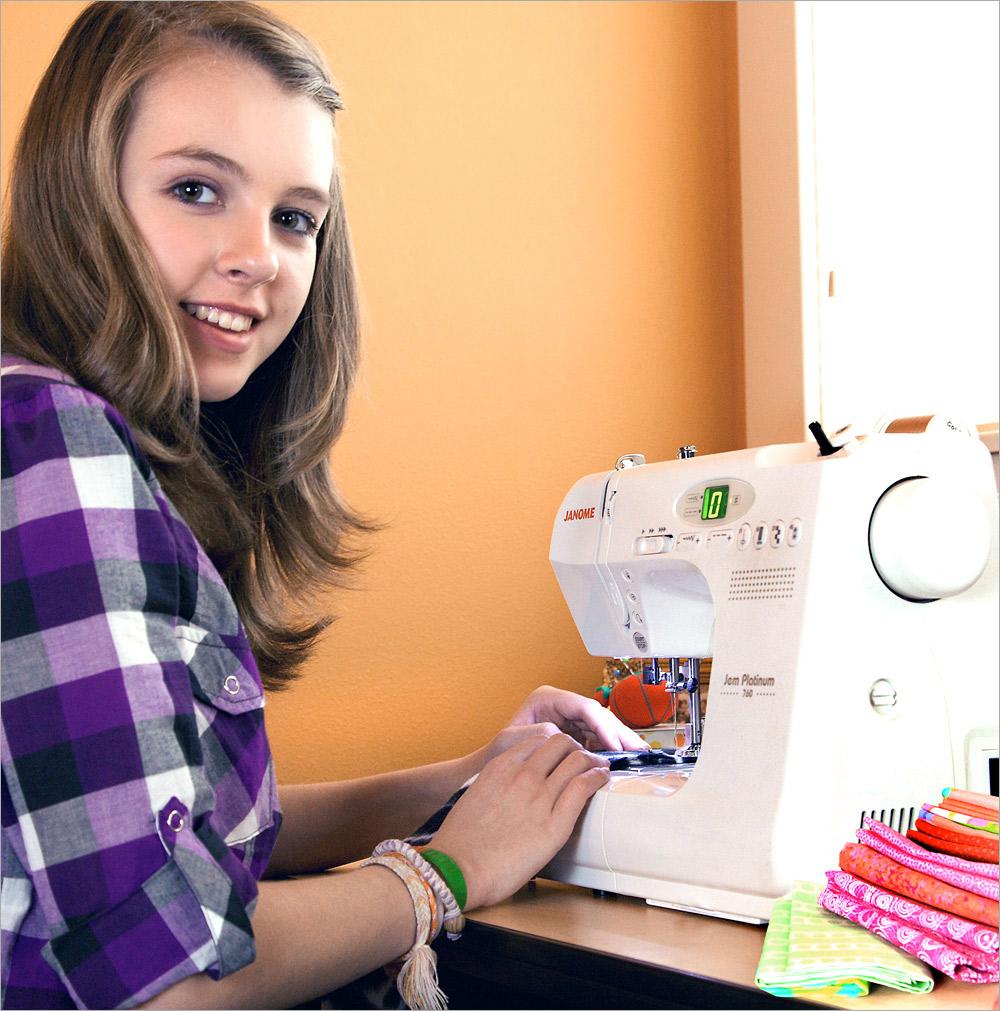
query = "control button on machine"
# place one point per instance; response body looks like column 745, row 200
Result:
column 633, row 597
column 760, row 535
column 689, row 541
column 720, row 539
column 777, row 533
column 794, row 532
column 743, row 536
column 638, row 618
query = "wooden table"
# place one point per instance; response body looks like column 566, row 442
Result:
column 559, row 946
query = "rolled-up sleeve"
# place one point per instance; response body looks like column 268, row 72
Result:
column 108, row 811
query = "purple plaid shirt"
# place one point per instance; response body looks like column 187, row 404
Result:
column 139, row 801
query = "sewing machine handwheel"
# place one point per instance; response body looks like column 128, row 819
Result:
column 928, row 539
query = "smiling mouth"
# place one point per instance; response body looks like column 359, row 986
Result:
column 222, row 318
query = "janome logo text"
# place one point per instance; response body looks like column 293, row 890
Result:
column 579, row 514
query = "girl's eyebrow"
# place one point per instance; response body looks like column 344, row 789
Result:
column 224, row 164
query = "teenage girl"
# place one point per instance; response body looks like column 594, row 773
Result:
column 181, row 335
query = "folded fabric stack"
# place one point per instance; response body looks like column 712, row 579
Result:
column 940, row 907
column 963, row 824
column 811, row 953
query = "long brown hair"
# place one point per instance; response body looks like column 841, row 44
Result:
column 81, row 293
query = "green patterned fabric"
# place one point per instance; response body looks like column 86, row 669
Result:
column 809, row 952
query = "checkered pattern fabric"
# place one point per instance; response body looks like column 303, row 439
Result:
column 139, row 802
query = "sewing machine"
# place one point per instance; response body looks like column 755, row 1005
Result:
column 847, row 592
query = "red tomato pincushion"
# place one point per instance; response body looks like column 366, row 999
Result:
column 640, row 705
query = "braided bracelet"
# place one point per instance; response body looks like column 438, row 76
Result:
column 417, row 981
column 454, row 921
column 407, row 871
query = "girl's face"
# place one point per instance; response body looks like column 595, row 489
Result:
column 226, row 177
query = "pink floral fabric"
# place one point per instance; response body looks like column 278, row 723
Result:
column 980, row 868
column 952, row 958
column 944, row 925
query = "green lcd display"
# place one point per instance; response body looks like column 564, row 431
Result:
column 714, row 502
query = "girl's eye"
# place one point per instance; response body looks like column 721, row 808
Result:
column 296, row 221
column 193, row 192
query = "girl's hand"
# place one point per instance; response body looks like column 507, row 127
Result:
column 548, row 710
column 519, row 813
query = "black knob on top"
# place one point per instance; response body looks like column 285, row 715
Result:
column 825, row 446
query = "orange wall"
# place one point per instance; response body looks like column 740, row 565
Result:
column 545, row 202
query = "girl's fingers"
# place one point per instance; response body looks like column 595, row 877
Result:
column 580, row 717
column 589, row 716
column 576, row 763
column 578, row 791
column 537, row 736
column 613, row 734
column 546, row 758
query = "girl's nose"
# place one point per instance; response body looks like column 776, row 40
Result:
column 248, row 255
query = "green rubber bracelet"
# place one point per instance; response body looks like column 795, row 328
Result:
column 451, row 873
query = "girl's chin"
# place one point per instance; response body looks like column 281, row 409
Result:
column 215, row 384
column 225, row 362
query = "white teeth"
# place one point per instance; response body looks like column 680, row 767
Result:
column 233, row 321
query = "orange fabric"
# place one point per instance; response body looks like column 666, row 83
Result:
column 972, row 810
column 952, row 846
column 986, row 800
column 942, row 830
column 863, row 862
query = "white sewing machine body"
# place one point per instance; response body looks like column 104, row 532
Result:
column 778, row 583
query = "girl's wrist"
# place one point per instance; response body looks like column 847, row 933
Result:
column 472, row 764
